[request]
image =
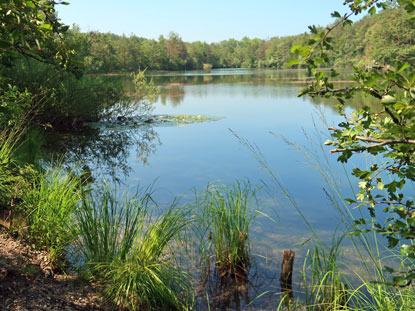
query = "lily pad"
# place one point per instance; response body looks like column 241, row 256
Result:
column 153, row 120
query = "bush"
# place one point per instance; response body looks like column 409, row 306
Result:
column 207, row 67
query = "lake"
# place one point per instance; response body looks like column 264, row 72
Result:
column 259, row 111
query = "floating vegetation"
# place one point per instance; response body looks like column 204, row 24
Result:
column 154, row 120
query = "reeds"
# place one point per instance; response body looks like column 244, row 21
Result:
column 228, row 214
column 126, row 249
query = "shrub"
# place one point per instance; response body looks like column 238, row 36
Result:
column 207, row 67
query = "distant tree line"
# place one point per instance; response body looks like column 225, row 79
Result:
column 384, row 38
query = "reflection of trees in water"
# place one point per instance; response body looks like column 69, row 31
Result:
column 104, row 150
column 174, row 95
column 268, row 77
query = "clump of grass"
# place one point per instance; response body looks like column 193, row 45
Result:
column 48, row 204
column 326, row 290
column 127, row 250
column 7, row 179
column 228, row 214
column 108, row 225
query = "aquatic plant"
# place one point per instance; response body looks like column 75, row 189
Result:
column 228, row 214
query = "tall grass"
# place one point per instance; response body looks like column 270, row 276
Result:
column 109, row 225
column 8, row 178
column 322, row 278
column 228, row 214
column 48, row 204
column 329, row 281
column 126, row 249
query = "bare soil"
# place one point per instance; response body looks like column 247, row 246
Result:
column 28, row 283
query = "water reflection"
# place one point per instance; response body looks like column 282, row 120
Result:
column 229, row 291
column 104, row 151
column 173, row 95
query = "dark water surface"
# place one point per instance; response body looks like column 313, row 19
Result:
column 252, row 104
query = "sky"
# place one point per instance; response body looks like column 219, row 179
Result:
column 204, row 20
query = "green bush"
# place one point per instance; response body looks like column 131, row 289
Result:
column 60, row 98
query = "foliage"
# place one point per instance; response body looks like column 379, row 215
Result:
column 228, row 215
column 58, row 97
column 384, row 37
column 108, row 226
column 388, row 132
column 31, row 28
column 13, row 104
column 207, row 67
column 48, row 204
column 40, row 71
column 145, row 93
column 125, row 248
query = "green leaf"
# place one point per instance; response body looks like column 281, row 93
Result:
column 380, row 185
column 350, row 201
column 293, row 61
column 336, row 14
column 46, row 26
column 403, row 67
column 388, row 99
column 303, row 51
column 5, row 44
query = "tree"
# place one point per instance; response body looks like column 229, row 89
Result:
column 176, row 51
column 31, row 28
column 388, row 132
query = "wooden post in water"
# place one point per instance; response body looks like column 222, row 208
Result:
column 286, row 278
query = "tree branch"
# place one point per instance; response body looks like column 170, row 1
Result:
column 377, row 142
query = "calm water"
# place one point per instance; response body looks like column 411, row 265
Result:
column 252, row 104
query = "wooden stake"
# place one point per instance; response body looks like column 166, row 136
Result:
column 286, row 278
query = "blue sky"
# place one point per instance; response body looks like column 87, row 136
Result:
column 208, row 20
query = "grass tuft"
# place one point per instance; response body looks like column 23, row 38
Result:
column 48, row 204
column 228, row 214
column 127, row 250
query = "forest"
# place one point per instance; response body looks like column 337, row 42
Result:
column 385, row 37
